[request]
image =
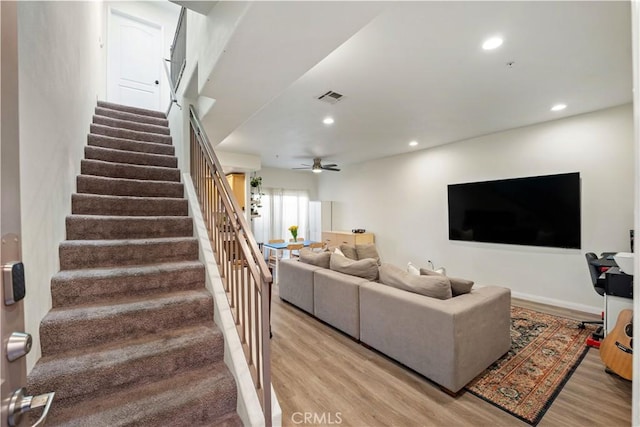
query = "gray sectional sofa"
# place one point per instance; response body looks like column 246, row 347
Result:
column 449, row 341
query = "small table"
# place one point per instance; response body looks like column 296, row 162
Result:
column 266, row 247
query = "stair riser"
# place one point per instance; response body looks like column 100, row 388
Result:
column 86, row 204
column 121, row 115
column 125, row 124
column 96, row 228
column 133, row 110
column 69, row 291
column 128, row 157
column 118, row 170
column 90, row 255
column 125, row 187
column 133, row 372
column 130, row 134
column 128, row 145
column 225, row 397
column 58, row 337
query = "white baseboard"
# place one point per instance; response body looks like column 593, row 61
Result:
column 558, row 303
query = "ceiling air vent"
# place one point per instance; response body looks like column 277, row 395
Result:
column 331, row 97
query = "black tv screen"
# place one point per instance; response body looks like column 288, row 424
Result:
column 532, row 211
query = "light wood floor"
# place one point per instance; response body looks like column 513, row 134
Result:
column 321, row 372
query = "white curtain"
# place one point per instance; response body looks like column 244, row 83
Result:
column 280, row 210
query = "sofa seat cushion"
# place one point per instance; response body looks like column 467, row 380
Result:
column 320, row 259
column 431, row 286
column 458, row 286
column 365, row 268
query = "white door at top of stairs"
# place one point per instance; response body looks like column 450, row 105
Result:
column 134, row 55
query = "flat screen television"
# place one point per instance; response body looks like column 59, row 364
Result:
column 532, row 211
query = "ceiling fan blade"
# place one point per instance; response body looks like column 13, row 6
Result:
column 306, row 167
column 331, row 165
column 331, row 169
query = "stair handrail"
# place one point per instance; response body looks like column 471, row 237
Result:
column 237, row 253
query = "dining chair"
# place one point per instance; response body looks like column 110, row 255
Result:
column 294, row 249
column 273, row 254
column 317, row 246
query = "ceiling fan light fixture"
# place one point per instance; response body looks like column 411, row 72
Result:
column 316, row 170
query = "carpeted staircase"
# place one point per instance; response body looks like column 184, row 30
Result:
column 130, row 340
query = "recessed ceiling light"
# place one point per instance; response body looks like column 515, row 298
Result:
column 492, row 43
column 558, row 107
column 328, row 121
column 413, row 143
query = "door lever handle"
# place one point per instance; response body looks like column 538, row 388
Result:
column 19, row 404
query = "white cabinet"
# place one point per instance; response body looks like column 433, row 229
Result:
column 319, row 219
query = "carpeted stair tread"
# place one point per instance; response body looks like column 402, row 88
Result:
column 129, row 134
column 129, row 171
column 131, row 338
column 126, row 124
column 151, row 358
column 131, row 117
column 74, row 327
column 197, row 398
column 133, row 110
column 92, row 286
column 129, row 145
column 129, row 157
column 105, row 227
column 128, row 187
column 95, row 204
column 77, row 254
column 230, row 420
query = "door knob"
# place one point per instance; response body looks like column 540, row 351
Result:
column 157, row 82
column 19, row 404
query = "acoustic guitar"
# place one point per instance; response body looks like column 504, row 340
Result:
column 616, row 350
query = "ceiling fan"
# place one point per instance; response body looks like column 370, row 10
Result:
column 318, row 167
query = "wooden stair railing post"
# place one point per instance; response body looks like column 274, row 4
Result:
column 244, row 272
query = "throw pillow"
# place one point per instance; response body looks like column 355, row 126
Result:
column 366, row 268
column 431, row 286
column 321, row 259
column 349, row 252
column 458, row 286
column 337, row 250
column 368, row 250
column 412, row 269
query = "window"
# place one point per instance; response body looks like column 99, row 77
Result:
column 280, row 210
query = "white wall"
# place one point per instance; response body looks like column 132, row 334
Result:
column 59, row 82
column 403, row 200
column 290, row 180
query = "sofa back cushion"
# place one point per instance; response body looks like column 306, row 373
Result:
column 458, row 286
column 368, row 250
column 320, row 259
column 431, row 286
column 366, row 268
column 349, row 251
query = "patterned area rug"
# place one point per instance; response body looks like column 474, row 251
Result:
column 545, row 351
